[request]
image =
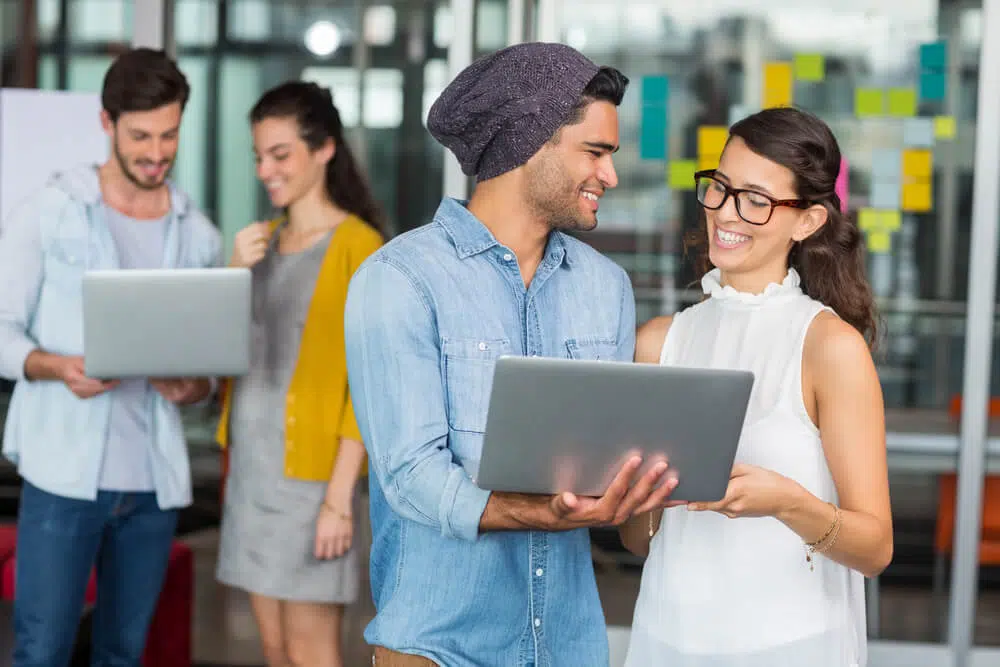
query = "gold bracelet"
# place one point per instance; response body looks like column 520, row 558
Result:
column 833, row 524
column 824, row 543
column 346, row 516
column 826, row 546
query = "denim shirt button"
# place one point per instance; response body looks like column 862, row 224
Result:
column 483, row 347
column 539, row 572
column 507, row 257
column 538, row 622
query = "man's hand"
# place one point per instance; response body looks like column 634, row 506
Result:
column 567, row 511
column 70, row 371
column 182, row 391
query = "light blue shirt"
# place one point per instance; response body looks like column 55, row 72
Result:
column 47, row 244
column 127, row 463
column 427, row 317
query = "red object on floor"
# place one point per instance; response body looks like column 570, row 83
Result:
column 169, row 641
column 8, row 542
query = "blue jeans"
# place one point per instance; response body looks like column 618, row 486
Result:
column 59, row 540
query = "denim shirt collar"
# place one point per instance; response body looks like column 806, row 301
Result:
column 471, row 236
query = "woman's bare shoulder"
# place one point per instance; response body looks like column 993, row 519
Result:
column 650, row 337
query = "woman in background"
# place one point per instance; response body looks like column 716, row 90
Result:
column 773, row 573
column 289, row 515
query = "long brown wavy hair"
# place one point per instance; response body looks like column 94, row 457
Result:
column 831, row 262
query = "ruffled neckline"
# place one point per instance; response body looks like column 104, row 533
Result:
column 711, row 285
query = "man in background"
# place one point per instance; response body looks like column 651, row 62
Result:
column 104, row 463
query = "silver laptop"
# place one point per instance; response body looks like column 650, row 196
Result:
column 166, row 322
column 559, row 425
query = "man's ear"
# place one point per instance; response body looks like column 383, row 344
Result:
column 811, row 222
column 107, row 124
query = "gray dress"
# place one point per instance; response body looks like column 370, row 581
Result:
column 269, row 520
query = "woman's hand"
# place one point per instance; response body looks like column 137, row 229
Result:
column 752, row 492
column 334, row 533
column 250, row 245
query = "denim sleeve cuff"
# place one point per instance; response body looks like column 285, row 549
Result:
column 462, row 506
column 13, row 357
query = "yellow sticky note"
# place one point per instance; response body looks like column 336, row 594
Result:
column 708, row 161
column 944, row 127
column 680, row 174
column 777, row 85
column 712, row 139
column 869, row 102
column 879, row 242
column 917, row 197
column 902, row 102
column 917, row 164
column 810, row 67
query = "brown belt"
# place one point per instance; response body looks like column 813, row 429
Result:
column 387, row 658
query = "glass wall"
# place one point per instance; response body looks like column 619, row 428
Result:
column 898, row 84
column 385, row 64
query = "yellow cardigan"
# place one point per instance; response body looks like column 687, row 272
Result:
column 318, row 409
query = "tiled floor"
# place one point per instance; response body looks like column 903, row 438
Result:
column 225, row 633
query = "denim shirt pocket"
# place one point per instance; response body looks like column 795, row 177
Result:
column 468, row 376
column 592, row 348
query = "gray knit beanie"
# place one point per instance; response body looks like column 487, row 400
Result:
column 502, row 108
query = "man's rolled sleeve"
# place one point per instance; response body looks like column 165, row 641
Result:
column 394, row 373
column 21, row 278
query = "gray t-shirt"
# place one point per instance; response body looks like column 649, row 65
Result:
column 127, row 462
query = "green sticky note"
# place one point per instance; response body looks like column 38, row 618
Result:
column 810, row 67
column 879, row 242
column 944, row 127
column 879, row 220
column 869, row 102
column 891, row 220
column 902, row 102
column 680, row 174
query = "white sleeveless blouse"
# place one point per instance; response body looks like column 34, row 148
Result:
column 720, row 592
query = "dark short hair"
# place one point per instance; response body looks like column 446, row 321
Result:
column 608, row 85
column 142, row 80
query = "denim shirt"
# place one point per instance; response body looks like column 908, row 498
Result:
column 48, row 242
column 427, row 317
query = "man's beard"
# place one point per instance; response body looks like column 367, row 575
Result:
column 133, row 177
column 554, row 197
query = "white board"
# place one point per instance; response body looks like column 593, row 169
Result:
column 41, row 132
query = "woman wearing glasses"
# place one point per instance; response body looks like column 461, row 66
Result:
column 773, row 573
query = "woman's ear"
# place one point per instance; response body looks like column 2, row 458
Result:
column 328, row 150
column 813, row 218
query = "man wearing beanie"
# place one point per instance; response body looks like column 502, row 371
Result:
column 460, row 576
